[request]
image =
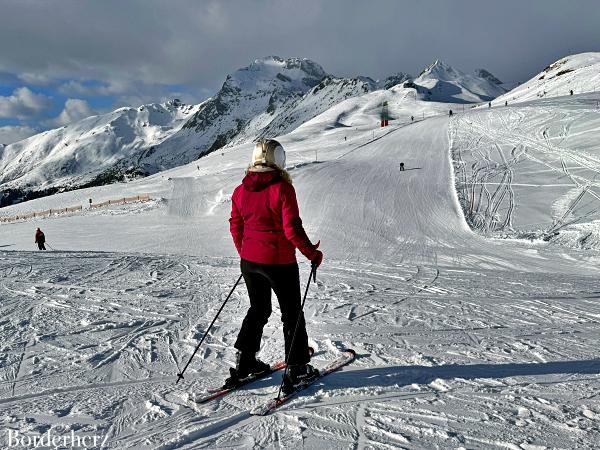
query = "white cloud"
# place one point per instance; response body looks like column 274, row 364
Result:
column 130, row 94
column 36, row 79
column 196, row 43
column 23, row 104
column 10, row 134
column 114, row 87
column 75, row 109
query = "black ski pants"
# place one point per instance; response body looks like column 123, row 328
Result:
column 41, row 245
column 284, row 280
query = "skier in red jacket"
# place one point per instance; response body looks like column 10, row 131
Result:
column 40, row 239
column 266, row 228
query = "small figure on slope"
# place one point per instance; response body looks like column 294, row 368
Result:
column 401, row 167
column 40, row 239
column 266, row 228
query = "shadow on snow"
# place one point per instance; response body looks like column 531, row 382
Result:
column 406, row 375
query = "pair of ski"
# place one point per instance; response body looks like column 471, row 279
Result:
column 345, row 358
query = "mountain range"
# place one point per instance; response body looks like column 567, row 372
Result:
column 270, row 97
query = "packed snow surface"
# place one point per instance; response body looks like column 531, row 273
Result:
column 463, row 341
column 531, row 170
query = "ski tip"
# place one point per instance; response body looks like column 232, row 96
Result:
column 349, row 350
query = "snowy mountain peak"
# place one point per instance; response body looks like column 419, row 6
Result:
column 296, row 74
column 248, row 101
column 440, row 70
column 441, row 82
column 172, row 106
column 174, row 103
column 305, row 65
column 482, row 73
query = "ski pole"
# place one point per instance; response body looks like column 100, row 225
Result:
column 51, row 248
column 180, row 374
column 312, row 276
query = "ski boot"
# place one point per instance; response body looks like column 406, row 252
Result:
column 246, row 365
column 298, row 375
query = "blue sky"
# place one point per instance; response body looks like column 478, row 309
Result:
column 61, row 60
column 7, row 89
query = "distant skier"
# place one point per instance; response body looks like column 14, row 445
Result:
column 506, row 103
column 40, row 239
column 571, row 91
column 412, row 118
column 344, row 138
column 401, row 167
column 266, row 228
column 489, row 104
column 450, row 113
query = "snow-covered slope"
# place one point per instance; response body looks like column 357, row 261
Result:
column 579, row 73
column 530, row 169
column 330, row 91
column 442, row 83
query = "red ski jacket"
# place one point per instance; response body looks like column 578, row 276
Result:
column 265, row 221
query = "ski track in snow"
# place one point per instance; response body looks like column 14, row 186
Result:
column 88, row 345
column 511, row 161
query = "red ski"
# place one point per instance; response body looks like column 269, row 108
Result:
column 348, row 355
column 220, row 392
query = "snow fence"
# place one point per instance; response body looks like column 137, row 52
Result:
column 74, row 209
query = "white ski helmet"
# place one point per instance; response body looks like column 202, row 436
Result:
column 270, row 153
